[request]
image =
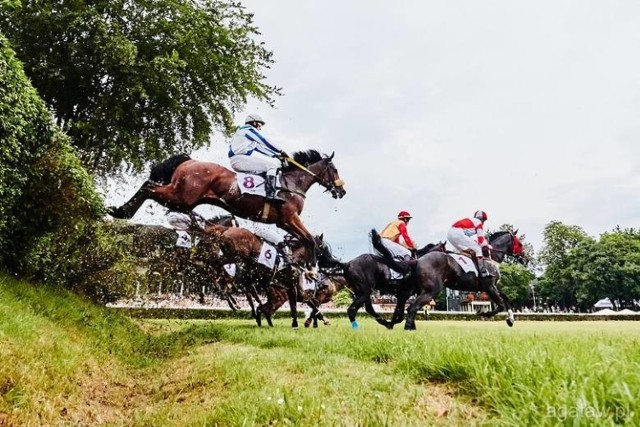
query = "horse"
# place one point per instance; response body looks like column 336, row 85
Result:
column 437, row 270
column 287, row 283
column 369, row 272
column 181, row 183
column 327, row 287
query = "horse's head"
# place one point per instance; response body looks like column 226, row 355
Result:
column 325, row 257
column 320, row 168
column 507, row 243
column 330, row 179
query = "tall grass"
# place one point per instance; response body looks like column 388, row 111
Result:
column 67, row 362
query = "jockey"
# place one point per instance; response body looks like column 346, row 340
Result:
column 468, row 235
column 395, row 237
column 251, row 152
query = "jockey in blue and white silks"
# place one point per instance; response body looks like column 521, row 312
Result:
column 251, row 152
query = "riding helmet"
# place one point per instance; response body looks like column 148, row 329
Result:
column 481, row 215
column 253, row 118
column 404, row 214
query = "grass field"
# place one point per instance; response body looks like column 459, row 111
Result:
column 67, row 362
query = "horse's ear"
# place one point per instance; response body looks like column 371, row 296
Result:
column 331, row 156
column 321, row 237
column 516, row 232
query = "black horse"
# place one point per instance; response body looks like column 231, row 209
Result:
column 369, row 272
column 437, row 270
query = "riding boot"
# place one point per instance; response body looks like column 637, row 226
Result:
column 482, row 268
column 270, row 189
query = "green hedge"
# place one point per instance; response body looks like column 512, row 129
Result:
column 50, row 207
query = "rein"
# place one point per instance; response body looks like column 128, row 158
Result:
column 337, row 183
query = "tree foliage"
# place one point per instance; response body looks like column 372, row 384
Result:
column 580, row 270
column 133, row 81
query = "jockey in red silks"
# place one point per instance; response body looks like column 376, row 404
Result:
column 395, row 237
column 468, row 235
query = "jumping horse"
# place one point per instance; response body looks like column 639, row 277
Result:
column 437, row 270
column 181, row 183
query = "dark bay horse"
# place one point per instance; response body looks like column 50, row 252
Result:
column 437, row 270
column 327, row 287
column 287, row 285
column 181, row 184
column 369, row 272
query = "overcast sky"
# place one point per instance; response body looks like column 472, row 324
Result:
column 527, row 110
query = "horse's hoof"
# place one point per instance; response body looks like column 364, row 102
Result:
column 510, row 322
column 326, row 323
column 355, row 326
column 307, row 324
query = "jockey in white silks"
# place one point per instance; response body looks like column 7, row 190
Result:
column 468, row 234
column 251, row 152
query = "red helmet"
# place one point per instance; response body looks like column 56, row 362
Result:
column 481, row 215
column 404, row 214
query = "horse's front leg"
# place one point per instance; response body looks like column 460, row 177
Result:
column 510, row 318
column 294, row 225
column 292, row 292
column 495, row 297
column 419, row 303
column 401, row 300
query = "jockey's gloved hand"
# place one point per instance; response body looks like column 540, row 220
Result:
column 283, row 156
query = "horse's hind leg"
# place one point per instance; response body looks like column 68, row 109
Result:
column 129, row 209
column 358, row 301
column 368, row 305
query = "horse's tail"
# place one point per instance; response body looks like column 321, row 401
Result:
column 387, row 257
column 161, row 173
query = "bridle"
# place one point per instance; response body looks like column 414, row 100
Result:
column 331, row 186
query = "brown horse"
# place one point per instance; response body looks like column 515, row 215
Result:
column 326, row 289
column 181, row 184
column 287, row 284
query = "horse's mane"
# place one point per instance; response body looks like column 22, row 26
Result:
column 162, row 172
column 497, row 234
column 305, row 158
column 219, row 219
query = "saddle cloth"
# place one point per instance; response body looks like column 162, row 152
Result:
column 465, row 263
column 249, row 183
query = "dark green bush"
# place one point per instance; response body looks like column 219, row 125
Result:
column 49, row 215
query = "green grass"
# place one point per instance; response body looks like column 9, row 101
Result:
column 67, row 362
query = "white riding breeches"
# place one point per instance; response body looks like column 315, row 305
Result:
column 397, row 250
column 462, row 242
column 255, row 163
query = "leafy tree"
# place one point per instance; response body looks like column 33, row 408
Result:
column 133, row 81
column 609, row 267
column 558, row 284
column 514, row 282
